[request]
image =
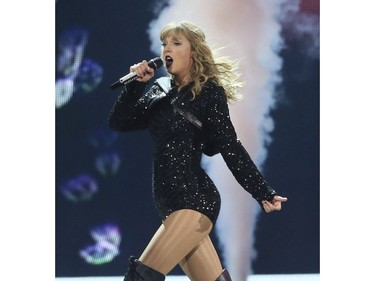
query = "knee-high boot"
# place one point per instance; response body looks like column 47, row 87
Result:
column 140, row 272
column 224, row 276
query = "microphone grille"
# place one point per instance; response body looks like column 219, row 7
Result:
column 155, row 63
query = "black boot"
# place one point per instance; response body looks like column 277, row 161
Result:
column 140, row 272
column 224, row 276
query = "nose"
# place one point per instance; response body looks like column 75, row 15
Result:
column 167, row 48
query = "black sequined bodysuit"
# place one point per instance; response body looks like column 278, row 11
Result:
column 179, row 182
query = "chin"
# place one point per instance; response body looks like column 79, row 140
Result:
column 170, row 72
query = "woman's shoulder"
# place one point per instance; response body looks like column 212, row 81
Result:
column 212, row 89
column 165, row 83
column 210, row 84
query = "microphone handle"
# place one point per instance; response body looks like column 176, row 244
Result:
column 154, row 64
column 124, row 80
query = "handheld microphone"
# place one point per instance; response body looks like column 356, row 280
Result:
column 154, row 64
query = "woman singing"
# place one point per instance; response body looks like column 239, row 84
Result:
column 187, row 115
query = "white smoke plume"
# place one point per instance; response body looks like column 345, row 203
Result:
column 302, row 25
column 249, row 30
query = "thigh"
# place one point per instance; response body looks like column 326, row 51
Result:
column 177, row 236
column 202, row 263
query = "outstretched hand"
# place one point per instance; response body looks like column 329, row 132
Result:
column 275, row 205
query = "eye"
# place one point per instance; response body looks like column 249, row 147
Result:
column 163, row 44
column 177, row 43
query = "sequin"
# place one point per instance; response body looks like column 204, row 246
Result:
column 179, row 181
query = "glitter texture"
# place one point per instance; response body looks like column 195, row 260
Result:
column 179, row 182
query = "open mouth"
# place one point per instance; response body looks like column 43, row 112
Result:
column 168, row 61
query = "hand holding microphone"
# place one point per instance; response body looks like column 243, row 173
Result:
column 142, row 72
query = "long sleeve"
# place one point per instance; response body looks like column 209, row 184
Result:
column 130, row 109
column 236, row 157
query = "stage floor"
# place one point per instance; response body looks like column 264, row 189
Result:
column 271, row 277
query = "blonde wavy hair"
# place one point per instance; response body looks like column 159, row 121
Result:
column 220, row 70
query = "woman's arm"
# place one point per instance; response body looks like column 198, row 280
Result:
column 129, row 111
column 221, row 130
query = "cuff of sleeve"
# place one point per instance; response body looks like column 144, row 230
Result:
column 133, row 91
column 135, row 87
column 269, row 198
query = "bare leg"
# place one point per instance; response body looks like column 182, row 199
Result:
column 202, row 263
column 177, row 236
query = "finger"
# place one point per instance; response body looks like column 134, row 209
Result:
column 133, row 68
column 267, row 206
column 274, row 206
column 136, row 69
column 280, row 198
column 144, row 66
column 278, row 205
column 268, row 203
column 149, row 70
column 139, row 69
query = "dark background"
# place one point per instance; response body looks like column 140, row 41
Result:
column 117, row 39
